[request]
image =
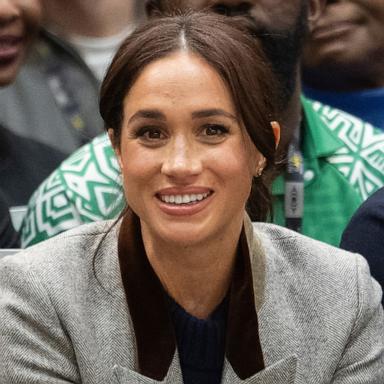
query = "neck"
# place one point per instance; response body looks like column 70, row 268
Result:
column 88, row 17
column 198, row 276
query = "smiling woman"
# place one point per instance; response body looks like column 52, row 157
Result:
column 196, row 151
column 184, row 288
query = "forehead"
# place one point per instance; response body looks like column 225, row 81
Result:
column 181, row 80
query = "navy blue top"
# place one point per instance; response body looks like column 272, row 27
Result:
column 366, row 104
column 200, row 344
column 365, row 234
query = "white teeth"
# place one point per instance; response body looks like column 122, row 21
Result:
column 183, row 199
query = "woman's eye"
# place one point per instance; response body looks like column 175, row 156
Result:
column 150, row 134
column 215, row 130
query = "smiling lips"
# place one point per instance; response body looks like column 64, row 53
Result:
column 9, row 48
column 180, row 203
column 183, row 199
column 333, row 29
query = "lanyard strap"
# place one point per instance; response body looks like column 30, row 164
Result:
column 60, row 87
column 294, row 184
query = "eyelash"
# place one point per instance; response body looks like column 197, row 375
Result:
column 220, row 131
column 143, row 133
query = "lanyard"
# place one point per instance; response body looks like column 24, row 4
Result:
column 60, row 87
column 294, row 184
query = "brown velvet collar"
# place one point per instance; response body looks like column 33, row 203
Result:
column 152, row 323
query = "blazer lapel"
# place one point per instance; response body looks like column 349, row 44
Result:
column 128, row 376
column 243, row 348
column 283, row 371
column 155, row 338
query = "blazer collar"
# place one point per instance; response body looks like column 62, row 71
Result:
column 155, row 338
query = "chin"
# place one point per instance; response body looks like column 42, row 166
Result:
column 185, row 234
column 9, row 72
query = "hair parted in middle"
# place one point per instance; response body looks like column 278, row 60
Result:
column 225, row 44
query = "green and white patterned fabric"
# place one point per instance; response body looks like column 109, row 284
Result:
column 343, row 165
column 85, row 188
column 343, row 162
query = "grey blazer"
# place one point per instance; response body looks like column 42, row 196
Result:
column 64, row 316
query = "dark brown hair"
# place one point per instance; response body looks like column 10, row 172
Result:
column 236, row 56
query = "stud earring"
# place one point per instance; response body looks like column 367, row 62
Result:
column 260, row 167
column 259, row 172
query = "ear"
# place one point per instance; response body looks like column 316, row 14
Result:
column 315, row 9
column 276, row 132
column 116, row 148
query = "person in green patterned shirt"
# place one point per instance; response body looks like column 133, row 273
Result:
column 338, row 160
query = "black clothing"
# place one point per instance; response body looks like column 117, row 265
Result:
column 24, row 164
column 200, row 343
column 364, row 234
column 8, row 236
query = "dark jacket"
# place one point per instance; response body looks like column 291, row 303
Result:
column 8, row 236
column 365, row 234
column 54, row 99
column 24, row 164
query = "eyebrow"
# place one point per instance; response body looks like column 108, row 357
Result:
column 155, row 114
column 212, row 112
column 148, row 114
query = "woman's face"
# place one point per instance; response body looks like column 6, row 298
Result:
column 349, row 33
column 19, row 20
column 186, row 161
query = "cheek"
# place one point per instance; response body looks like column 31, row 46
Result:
column 234, row 164
column 32, row 14
column 138, row 164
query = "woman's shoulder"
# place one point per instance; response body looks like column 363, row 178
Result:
column 307, row 257
column 330, row 275
column 65, row 254
column 290, row 242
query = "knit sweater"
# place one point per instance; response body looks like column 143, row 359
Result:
column 200, row 343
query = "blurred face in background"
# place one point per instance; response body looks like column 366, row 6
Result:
column 347, row 39
column 282, row 26
column 278, row 15
column 19, row 21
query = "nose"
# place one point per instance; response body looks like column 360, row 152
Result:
column 182, row 161
column 8, row 12
column 232, row 8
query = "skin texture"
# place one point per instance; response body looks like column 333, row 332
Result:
column 192, row 252
column 90, row 18
column 348, row 42
column 19, row 20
